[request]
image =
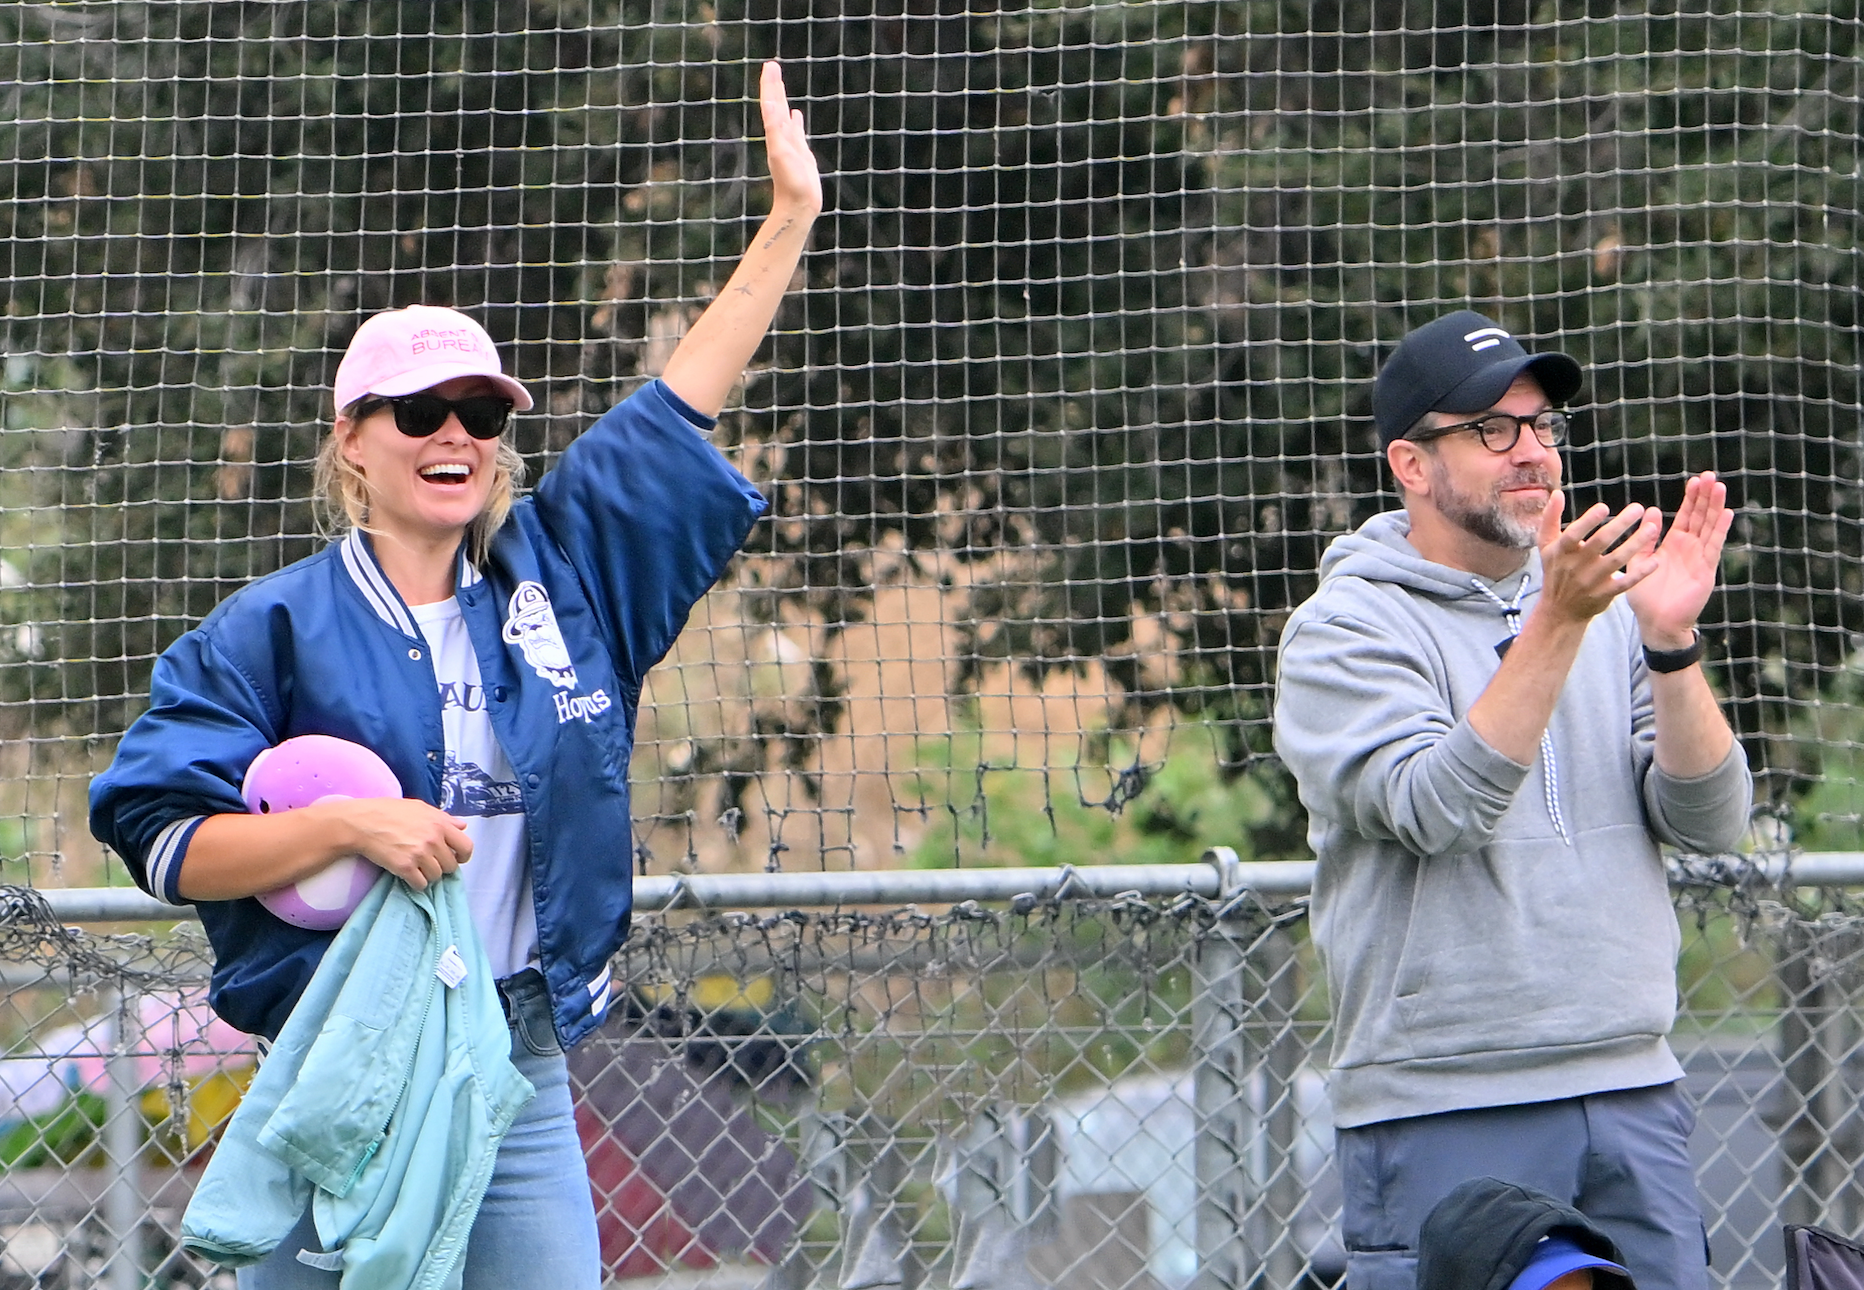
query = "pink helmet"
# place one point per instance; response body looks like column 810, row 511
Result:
column 303, row 771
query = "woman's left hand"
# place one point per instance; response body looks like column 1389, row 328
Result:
column 795, row 178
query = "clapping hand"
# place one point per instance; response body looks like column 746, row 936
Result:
column 1596, row 558
column 1670, row 598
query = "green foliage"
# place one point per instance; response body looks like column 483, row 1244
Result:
column 1823, row 750
column 1094, row 308
column 1725, row 975
column 1145, row 343
column 201, row 203
column 1082, row 814
column 66, row 1137
column 1830, row 817
column 1059, row 1003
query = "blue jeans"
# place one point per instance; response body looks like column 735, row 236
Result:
column 536, row 1226
column 1621, row 1159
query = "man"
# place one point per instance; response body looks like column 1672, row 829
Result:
column 1494, row 720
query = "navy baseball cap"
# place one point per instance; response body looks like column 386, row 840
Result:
column 1556, row 1256
column 1462, row 362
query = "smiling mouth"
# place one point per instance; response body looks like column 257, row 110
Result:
column 446, row 473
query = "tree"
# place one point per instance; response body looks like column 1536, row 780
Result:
column 1092, row 318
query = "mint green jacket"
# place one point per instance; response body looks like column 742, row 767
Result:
column 381, row 1106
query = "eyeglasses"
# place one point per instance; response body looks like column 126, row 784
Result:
column 1500, row 431
column 483, row 416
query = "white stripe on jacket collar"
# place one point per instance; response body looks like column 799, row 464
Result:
column 360, row 561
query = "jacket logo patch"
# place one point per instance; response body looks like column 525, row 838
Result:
column 531, row 625
column 581, row 707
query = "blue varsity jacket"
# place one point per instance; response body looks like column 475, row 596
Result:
column 587, row 585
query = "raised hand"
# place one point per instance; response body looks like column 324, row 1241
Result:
column 795, row 178
column 712, row 357
column 1668, row 601
column 1596, row 558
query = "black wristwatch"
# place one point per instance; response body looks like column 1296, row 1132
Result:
column 1674, row 660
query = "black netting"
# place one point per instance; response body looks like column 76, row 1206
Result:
column 1069, row 395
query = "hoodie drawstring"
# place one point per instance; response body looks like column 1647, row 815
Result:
column 1550, row 767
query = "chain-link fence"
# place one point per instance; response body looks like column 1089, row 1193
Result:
column 1122, row 1094
column 1066, row 401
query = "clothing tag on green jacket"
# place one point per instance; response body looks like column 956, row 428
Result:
column 452, row 968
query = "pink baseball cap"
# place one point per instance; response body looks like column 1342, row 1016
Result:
column 405, row 351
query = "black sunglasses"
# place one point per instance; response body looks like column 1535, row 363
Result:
column 1500, row 431
column 483, row 416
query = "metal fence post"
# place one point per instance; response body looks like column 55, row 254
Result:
column 1820, row 1130
column 1224, row 1122
column 1247, row 1052
column 123, row 1202
column 1277, row 1052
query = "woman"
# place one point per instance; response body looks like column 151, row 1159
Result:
column 493, row 654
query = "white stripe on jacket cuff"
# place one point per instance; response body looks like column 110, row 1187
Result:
column 164, row 860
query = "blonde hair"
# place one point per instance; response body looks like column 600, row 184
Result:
column 340, row 489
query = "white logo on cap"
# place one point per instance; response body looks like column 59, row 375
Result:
column 1485, row 338
column 531, row 625
column 438, row 340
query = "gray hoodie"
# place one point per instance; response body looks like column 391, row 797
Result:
column 1492, row 933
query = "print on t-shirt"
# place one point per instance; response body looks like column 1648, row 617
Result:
column 467, row 789
column 479, row 786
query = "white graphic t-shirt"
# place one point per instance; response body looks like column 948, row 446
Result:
column 480, row 788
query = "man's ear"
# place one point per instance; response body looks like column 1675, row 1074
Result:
column 1409, row 469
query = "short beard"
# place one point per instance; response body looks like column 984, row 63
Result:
column 1485, row 519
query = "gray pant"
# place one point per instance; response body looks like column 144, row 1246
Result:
column 1621, row 1159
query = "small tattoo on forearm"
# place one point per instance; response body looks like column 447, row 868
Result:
column 745, row 291
column 779, row 233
